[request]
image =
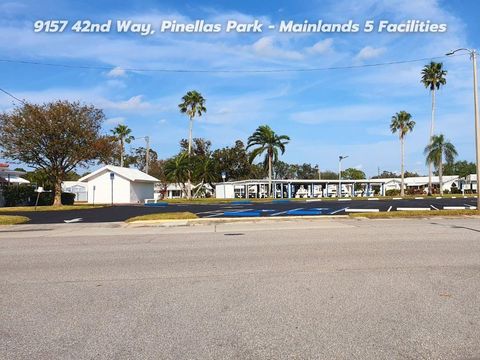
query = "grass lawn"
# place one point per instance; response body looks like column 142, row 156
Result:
column 164, row 216
column 419, row 213
column 13, row 220
column 48, row 208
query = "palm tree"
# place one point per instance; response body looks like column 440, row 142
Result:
column 204, row 172
column 122, row 134
column 268, row 142
column 177, row 170
column 403, row 123
column 436, row 151
column 193, row 104
column 433, row 77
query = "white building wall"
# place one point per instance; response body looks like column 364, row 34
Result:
column 224, row 191
column 139, row 191
column 103, row 188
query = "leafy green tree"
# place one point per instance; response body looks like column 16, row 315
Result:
column 433, row 77
column 193, row 104
column 307, row 171
column 386, row 175
column 436, row 151
column 268, row 142
column 56, row 137
column 204, row 172
column 283, row 170
column 178, row 170
column 234, row 161
column 461, row 168
column 403, row 124
column 329, row 175
column 200, row 147
column 138, row 158
column 353, row 174
column 123, row 134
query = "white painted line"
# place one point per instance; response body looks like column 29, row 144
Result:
column 337, row 211
column 390, row 208
column 434, row 208
column 397, row 198
column 465, row 197
column 372, row 199
column 209, row 216
column 471, row 207
column 438, row 197
column 419, row 198
column 412, row 209
column 284, row 212
column 209, row 212
column 361, row 210
column 454, row 208
column 312, row 200
column 345, row 199
column 454, row 197
column 73, row 220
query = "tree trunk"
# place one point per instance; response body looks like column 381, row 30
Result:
column 402, row 185
column 440, row 175
column 57, row 200
column 189, row 185
column 269, row 174
column 121, row 152
column 430, row 142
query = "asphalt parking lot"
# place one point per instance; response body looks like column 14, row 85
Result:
column 251, row 209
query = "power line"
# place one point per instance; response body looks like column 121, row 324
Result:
column 12, row 96
column 166, row 70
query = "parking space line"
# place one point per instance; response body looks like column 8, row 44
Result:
column 372, row 199
column 345, row 199
column 397, row 198
column 434, row 208
column 361, row 210
column 454, row 208
column 284, row 212
column 390, row 208
column 412, row 209
column 337, row 211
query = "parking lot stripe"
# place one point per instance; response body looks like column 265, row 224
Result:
column 434, row 208
column 284, row 212
column 337, row 211
column 372, row 199
column 419, row 198
column 361, row 210
column 454, row 208
column 412, row 209
column 345, row 199
column 397, row 198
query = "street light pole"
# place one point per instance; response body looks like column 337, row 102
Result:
column 224, row 176
column 473, row 55
column 340, row 158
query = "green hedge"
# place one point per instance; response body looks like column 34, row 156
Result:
column 25, row 195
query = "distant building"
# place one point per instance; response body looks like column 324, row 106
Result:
column 79, row 188
column 127, row 186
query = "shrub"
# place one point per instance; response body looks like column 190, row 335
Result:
column 18, row 195
column 25, row 195
column 392, row 192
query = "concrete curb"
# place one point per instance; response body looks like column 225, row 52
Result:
column 210, row 221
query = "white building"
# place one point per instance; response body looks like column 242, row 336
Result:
column 122, row 185
column 79, row 188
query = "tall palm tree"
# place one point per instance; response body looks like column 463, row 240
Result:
column 122, row 134
column 402, row 123
column 177, row 170
column 193, row 104
column 436, row 151
column 268, row 142
column 433, row 77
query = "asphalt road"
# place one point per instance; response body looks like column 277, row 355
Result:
column 324, row 289
column 243, row 208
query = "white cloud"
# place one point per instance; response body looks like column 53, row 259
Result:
column 134, row 103
column 369, row 52
column 265, row 47
column 115, row 120
column 321, row 47
column 116, row 72
column 350, row 113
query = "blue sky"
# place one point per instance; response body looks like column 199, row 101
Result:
column 326, row 113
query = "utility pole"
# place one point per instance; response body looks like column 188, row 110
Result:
column 147, row 156
column 340, row 158
column 473, row 57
